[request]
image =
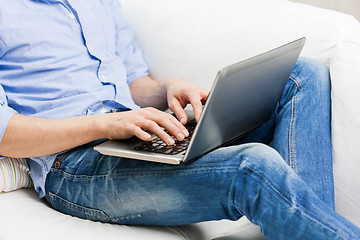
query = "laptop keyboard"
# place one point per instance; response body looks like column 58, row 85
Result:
column 156, row 145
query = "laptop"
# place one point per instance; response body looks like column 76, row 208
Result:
column 243, row 97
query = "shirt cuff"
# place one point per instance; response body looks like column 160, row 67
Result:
column 136, row 75
column 135, row 66
column 6, row 114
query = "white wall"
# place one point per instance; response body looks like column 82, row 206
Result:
column 347, row 6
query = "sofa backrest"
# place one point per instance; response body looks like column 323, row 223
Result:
column 194, row 39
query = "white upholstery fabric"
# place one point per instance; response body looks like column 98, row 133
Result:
column 345, row 71
column 192, row 40
column 24, row 216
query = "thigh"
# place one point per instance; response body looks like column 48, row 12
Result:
column 89, row 185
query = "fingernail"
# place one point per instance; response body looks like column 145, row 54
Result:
column 181, row 136
column 170, row 141
column 183, row 121
column 147, row 136
column 186, row 133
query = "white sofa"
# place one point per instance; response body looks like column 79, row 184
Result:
column 192, row 40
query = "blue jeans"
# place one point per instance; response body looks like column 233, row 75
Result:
column 287, row 189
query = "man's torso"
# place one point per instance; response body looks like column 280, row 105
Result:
column 53, row 55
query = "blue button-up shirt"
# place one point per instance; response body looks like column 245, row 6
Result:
column 62, row 59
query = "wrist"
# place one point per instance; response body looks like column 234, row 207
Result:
column 162, row 95
column 166, row 85
column 98, row 127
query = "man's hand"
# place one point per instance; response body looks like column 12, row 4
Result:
column 140, row 122
column 180, row 93
column 175, row 94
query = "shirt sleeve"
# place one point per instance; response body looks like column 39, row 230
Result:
column 127, row 49
column 5, row 112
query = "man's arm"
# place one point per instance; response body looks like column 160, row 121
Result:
column 34, row 137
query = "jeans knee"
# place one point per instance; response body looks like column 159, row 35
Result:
column 311, row 72
column 257, row 156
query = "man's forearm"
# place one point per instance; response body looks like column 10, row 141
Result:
column 34, row 137
column 147, row 92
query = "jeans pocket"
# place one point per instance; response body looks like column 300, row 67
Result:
column 76, row 210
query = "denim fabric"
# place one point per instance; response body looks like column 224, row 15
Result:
column 287, row 189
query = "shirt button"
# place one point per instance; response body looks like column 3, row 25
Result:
column 71, row 16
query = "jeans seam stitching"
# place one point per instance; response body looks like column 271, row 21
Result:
column 61, row 158
column 79, row 207
column 52, row 199
column 64, row 174
column 151, row 173
column 291, row 134
column 298, row 83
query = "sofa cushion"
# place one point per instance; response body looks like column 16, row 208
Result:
column 39, row 221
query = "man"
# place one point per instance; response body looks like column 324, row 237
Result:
column 71, row 74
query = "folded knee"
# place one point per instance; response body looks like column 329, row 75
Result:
column 309, row 71
column 260, row 156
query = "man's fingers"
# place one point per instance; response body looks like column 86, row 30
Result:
column 172, row 125
column 142, row 121
column 139, row 132
column 158, row 131
column 197, row 107
column 197, row 103
column 180, row 126
column 179, row 111
column 204, row 95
